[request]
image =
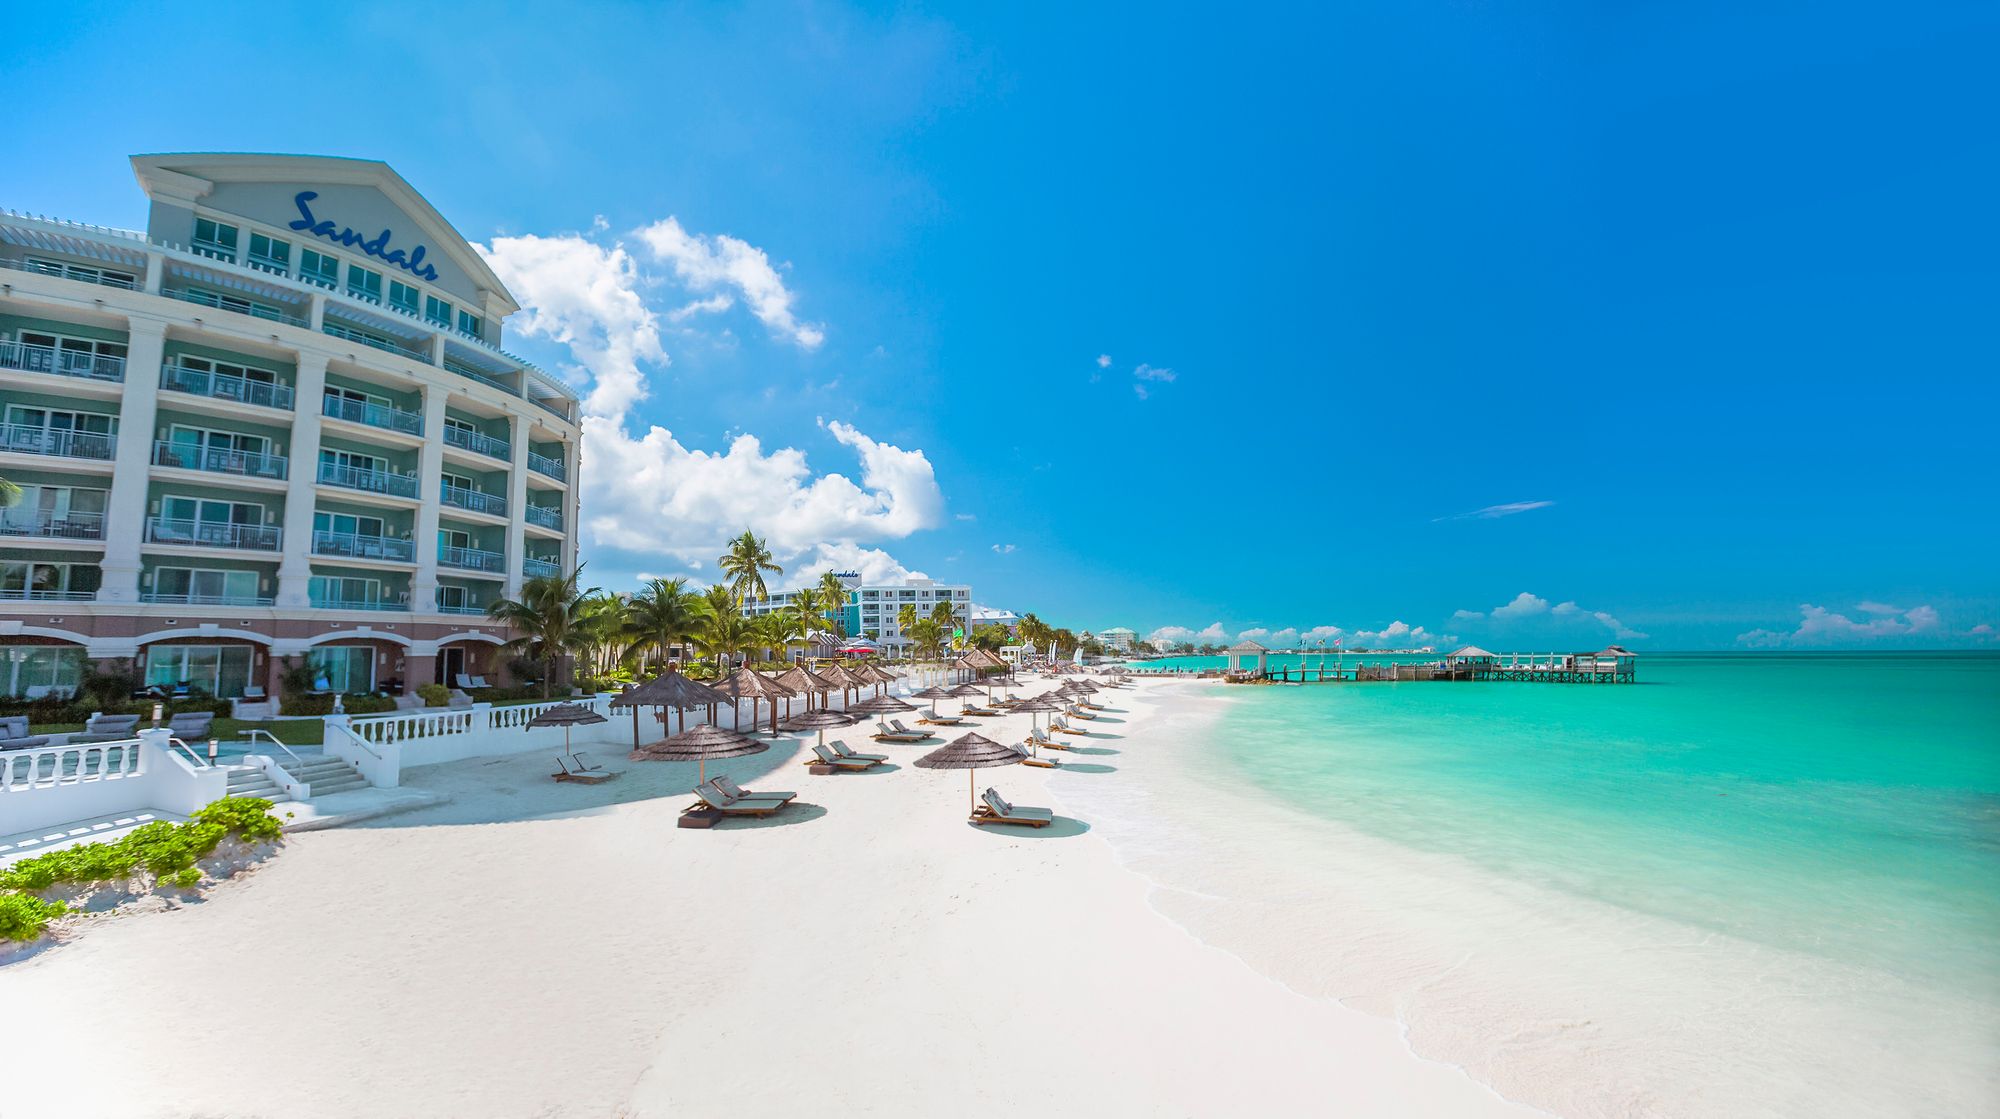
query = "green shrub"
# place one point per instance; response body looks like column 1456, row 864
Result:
column 22, row 917
column 162, row 848
column 292, row 704
column 362, row 703
column 434, row 695
column 186, row 879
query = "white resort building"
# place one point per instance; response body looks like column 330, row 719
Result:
column 1118, row 639
column 872, row 608
column 276, row 423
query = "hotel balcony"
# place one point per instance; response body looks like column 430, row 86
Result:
column 544, row 516
column 478, row 443
column 205, row 534
column 27, row 439
column 372, row 415
column 358, row 604
column 234, row 304
column 215, row 460
column 163, row 599
column 356, row 546
column 370, row 481
column 48, row 526
column 458, row 497
column 535, row 568
column 62, row 363
column 23, row 594
column 222, row 386
column 470, row 609
column 472, row 559
column 89, row 274
column 547, row 467
column 373, row 341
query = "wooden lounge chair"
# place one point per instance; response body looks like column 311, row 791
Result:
column 828, row 757
column 573, row 767
column 718, row 801
column 1075, row 712
column 980, row 712
column 994, row 809
column 1032, row 760
column 940, row 721
column 841, row 749
column 738, row 792
column 885, row 733
column 1057, row 726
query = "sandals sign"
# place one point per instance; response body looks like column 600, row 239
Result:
column 376, row 246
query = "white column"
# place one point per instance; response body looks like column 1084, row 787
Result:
column 571, row 502
column 518, row 429
column 295, row 566
column 125, row 508
column 430, row 488
column 156, row 271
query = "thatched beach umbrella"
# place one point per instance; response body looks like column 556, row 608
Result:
column 881, row 705
column 965, row 692
column 804, row 682
column 1036, row 705
column 565, row 715
column 970, row 752
column 747, row 683
column 840, row 676
column 933, row 693
column 669, row 689
column 821, row 721
column 700, row 742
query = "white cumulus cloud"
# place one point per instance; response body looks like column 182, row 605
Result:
column 718, row 262
column 583, row 295
column 1524, row 605
column 1819, row 626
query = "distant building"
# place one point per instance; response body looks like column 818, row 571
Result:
column 871, row 608
column 1118, row 639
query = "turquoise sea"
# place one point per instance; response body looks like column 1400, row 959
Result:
column 1838, row 804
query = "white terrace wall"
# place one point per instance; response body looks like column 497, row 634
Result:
column 381, row 746
column 54, row 785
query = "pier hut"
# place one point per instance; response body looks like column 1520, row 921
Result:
column 1470, row 662
column 1248, row 649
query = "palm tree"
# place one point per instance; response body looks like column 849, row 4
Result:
column 726, row 635
column 662, row 616
column 792, row 624
column 546, row 620
column 833, row 601
column 745, row 562
column 10, row 494
column 601, row 625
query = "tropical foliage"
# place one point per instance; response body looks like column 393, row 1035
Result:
column 549, row 619
column 745, row 563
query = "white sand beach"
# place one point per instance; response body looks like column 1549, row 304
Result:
column 541, row 949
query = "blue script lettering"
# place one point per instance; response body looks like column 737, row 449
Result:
column 376, row 246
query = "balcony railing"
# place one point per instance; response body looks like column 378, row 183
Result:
column 231, row 303
column 545, row 516
column 218, row 460
column 268, row 264
column 50, row 526
column 471, row 608
column 22, row 594
column 352, row 335
column 471, row 559
column 356, row 604
column 373, row 415
column 89, row 274
column 478, row 443
column 214, row 250
column 473, row 374
column 540, row 568
column 373, row 481
column 225, row 386
column 186, row 599
column 65, row 363
column 29, row 439
column 551, row 467
column 458, row 497
column 205, row 534
column 358, row 546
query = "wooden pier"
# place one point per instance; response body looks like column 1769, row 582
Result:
column 1615, row 665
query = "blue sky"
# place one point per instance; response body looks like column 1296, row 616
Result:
column 1218, row 321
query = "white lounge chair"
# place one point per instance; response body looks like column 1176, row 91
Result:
column 828, row 757
column 841, row 748
column 996, row 810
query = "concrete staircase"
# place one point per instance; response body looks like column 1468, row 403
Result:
column 323, row 775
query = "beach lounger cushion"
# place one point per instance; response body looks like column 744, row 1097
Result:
column 738, row 792
column 844, row 751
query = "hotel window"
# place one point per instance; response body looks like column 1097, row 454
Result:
column 270, row 254
column 364, row 283
column 343, row 590
column 343, row 668
column 454, row 538
column 219, row 670
column 437, row 311
column 402, row 297
column 82, row 272
column 201, row 586
column 214, row 239
column 66, row 353
column 58, row 511
column 350, row 460
column 200, row 448
column 319, row 268
column 454, row 598
column 468, row 324
column 27, row 579
column 33, row 671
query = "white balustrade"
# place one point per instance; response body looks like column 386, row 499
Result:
column 53, row 785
